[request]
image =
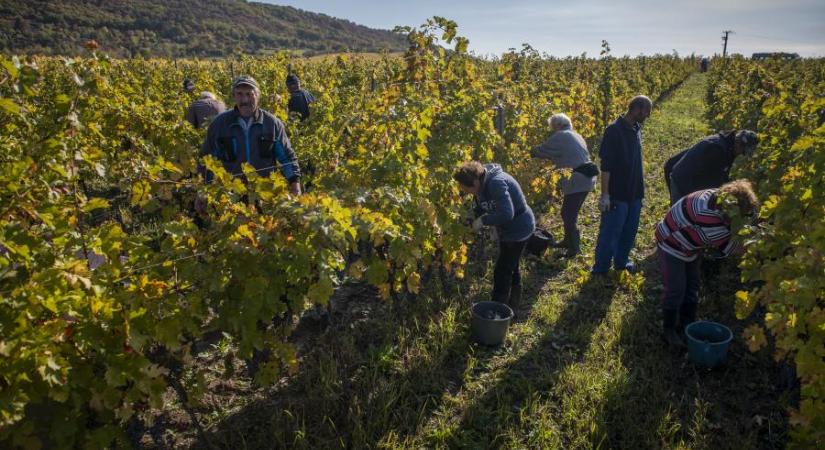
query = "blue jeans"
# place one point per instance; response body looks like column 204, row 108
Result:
column 617, row 235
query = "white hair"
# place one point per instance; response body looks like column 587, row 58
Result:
column 206, row 94
column 559, row 121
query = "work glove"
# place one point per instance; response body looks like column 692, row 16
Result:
column 295, row 188
column 478, row 224
column 604, row 203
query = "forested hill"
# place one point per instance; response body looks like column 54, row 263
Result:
column 179, row 28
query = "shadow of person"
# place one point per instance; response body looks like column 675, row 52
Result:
column 563, row 342
column 664, row 401
column 359, row 381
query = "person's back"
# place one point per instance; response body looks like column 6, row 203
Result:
column 204, row 109
column 299, row 103
column 502, row 199
column 668, row 168
column 566, row 148
column 705, row 165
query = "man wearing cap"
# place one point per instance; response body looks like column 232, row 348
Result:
column 299, row 99
column 204, row 109
column 248, row 134
column 188, row 85
column 707, row 164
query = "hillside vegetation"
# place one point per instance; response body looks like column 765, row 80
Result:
column 175, row 28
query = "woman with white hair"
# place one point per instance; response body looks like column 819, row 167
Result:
column 204, row 109
column 566, row 149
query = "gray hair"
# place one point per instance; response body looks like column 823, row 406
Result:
column 207, row 94
column 560, row 121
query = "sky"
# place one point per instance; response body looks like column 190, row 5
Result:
column 563, row 28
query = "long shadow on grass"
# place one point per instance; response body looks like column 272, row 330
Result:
column 361, row 385
column 562, row 343
column 666, row 402
column 358, row 382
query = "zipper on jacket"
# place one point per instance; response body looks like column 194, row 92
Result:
column 246, row 139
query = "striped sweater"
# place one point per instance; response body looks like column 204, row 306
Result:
column 693, row 224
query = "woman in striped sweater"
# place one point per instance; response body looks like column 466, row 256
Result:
column 700, row 220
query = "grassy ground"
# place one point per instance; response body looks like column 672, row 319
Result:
column 583, row 367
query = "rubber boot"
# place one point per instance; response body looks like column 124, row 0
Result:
column 669, row 333
column 574, row 247
column 515, row 297
column 687, row 315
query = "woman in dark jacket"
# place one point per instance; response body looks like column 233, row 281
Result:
column 500, row 203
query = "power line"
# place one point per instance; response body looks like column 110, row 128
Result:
column 774, row 38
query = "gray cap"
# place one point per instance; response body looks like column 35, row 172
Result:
column 748, row 139
column 247, row 80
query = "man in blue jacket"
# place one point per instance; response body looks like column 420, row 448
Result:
column 707, row 164
column 622, row 186
column 248, row 134
column 500, row 203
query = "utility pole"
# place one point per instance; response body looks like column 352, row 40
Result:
column 725, row 40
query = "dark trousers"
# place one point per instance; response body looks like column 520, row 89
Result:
column 570, row 207
column 507, row 273
column 681, row 280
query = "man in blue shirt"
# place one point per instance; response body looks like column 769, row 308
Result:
column 622, row 186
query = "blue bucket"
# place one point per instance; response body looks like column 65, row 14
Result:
column 708, row 343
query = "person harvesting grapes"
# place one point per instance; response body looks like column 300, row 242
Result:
column 707, row 164
column 249, row 134
column 299, row 98
column 622, row 186
column 702, row 220
column 499, row 202
column 568, row 150
column 202, row 110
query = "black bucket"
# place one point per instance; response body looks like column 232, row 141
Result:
column 538, row 242
column 490, row 322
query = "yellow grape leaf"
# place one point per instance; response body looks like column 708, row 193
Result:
column 244, row 231
column 9, row 106
column 744, row 304
column 141, row 193
column 95, row 203
column 384, row 291
column 414, row 283
column 356, row 269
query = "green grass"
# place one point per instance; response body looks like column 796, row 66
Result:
column 582, row 368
